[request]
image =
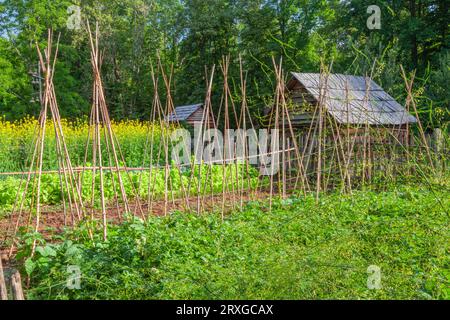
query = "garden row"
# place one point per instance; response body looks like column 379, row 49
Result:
column 145, row 183
column 298, row 250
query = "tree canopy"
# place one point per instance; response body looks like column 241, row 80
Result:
column 192, row 35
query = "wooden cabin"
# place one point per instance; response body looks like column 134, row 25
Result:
column 189, row 114
column 356, row 112
column 352, row 100
column 349, row 99
column 355, row 103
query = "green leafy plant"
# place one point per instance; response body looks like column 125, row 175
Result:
column 299, row 250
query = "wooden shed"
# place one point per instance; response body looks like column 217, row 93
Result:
column 349, row 99
column 356, row 113
column 190, row 114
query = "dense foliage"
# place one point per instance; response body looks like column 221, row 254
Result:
column 299, row 250
column 196, row 33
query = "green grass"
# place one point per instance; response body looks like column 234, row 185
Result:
column 300, row 250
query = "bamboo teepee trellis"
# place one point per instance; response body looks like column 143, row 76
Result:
column 30, row 202
column 107, row 159
column 328, row 157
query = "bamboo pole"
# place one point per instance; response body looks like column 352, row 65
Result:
column 41, row 144
column 224, row 67
column 276, row 124
column 170, row 108
column 322, row 93
column 409, row 85
column 243, row 80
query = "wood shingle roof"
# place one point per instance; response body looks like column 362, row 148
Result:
column 354, row 99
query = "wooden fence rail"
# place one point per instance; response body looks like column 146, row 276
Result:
column 13, row 278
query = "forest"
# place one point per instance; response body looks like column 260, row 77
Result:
column 192, row 35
